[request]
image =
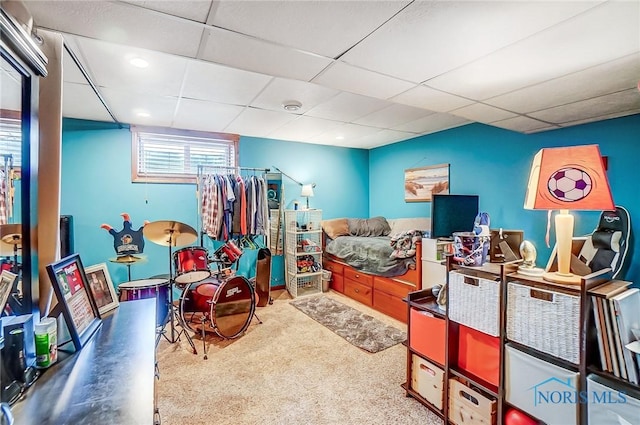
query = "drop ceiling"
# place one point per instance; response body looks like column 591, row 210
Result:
column 367, row 73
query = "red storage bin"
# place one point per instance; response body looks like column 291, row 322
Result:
column 479, row 354
column 427, row 335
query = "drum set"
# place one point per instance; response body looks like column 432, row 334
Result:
column 211, row 301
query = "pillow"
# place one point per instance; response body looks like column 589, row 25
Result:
column 376, row 226
column 402, row 225
column 336, row 227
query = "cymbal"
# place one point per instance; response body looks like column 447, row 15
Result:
column 11, row 234
column 126, row 259
column 170, row 233
column 6, row 250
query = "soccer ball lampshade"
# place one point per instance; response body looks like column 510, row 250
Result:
column 567, row 178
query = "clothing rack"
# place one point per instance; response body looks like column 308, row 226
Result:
column 201, row 168
column 216, row 168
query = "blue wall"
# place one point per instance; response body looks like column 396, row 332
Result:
column 96, row 188
column 494, row 164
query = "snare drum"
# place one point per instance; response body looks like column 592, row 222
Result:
column 223, row 306
column 148, row 288
column 191, row 264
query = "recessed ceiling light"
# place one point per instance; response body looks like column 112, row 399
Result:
column 143, row 114
column 291, row 105
column 139, row 62
column 339, row 137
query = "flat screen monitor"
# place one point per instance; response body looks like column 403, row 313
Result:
column 453, row 213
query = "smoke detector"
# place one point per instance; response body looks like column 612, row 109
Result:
column 291, row 105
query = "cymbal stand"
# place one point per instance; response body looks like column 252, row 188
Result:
column 172, row 311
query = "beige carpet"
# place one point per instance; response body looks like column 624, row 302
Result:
column 287, row 370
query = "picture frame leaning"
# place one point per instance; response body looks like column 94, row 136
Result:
column 101, row 287
column 75, row 300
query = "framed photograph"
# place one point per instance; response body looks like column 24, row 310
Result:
column 75, row 300
column 101, row 287
column 421, row 183
column 7, row 282
column 582, row 251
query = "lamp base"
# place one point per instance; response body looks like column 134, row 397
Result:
column 567, row 279
column 530, row 271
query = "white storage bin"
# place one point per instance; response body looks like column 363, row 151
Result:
column 475, row 302
column 542, row 389
column 428, row 380
column 608, row 406
column 545, row 320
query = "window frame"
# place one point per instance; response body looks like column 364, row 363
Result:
column 186, row 178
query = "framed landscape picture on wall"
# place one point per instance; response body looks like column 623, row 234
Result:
column 421, row 183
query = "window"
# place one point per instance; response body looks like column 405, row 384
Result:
column 173, row 156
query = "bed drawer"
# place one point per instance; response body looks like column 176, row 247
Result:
column 390, row 305
column 337, row 282
column 392, row 287
column 333, row 267
column 359, row 277
column 358, row 291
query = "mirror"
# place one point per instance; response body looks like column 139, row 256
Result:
column 10, row 165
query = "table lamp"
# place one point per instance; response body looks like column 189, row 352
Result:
column 307, row 191
column 567, row 178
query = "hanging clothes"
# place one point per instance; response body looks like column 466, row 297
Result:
column 4, row 211
column 233, row 206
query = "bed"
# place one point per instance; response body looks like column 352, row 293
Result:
column 359, row 254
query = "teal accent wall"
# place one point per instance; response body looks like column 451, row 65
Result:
column 494, row 163
column 97, row 188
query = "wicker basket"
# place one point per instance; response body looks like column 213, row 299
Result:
column 545, row 320
column 475, row 302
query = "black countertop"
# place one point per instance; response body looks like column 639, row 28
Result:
column 109, row 381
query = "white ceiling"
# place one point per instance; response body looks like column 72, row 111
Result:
column 368, row 73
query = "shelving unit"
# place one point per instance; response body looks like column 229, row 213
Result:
column 303, row 242
column 423, row 311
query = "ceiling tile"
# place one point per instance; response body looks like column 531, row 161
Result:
column 483, row 113
column 602, row 34
column 438, row 36
column 109, row 66
column 596, row 81
column 604, row 105
column 205, row 116
column 435, row 100
column 126, row 107
column 194, row 10
column 441, row 121
column 347, row 107
column 135, row 26
column 218, row 83
column 10, row 87
column 356, row 80
column 248, row 53
column 602, row 117
column 327, row 28
column 80, row 101
column 393, row 116
column 280, row 90
column 258, row 122
column 522, row 124
column 381, row 138
column 344, row 134
column 71, row 72
column 304, row 128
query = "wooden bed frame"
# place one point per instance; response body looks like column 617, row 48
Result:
column 384, row 294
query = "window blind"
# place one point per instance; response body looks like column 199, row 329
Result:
column 11, row 139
